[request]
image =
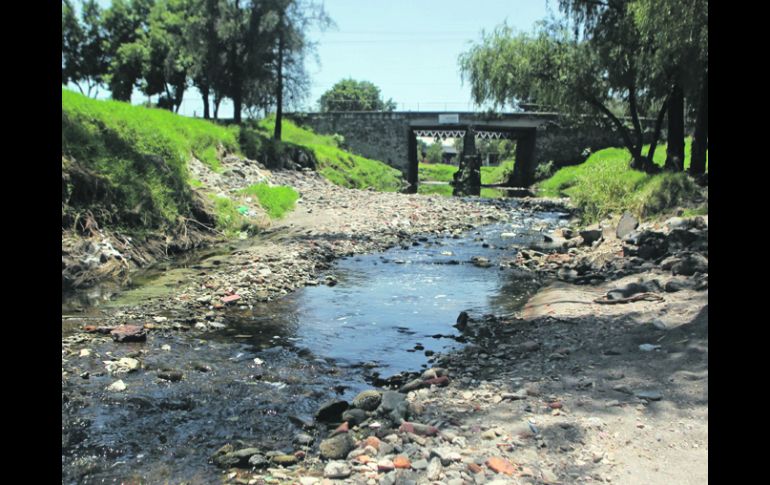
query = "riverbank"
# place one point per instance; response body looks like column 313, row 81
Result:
column 560, row 392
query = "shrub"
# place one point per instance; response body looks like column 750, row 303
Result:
column 544, row 170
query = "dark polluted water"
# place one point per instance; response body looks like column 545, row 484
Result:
column 253, row 382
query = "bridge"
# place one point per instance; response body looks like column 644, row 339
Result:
column 391, row 137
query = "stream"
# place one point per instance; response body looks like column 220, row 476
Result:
column 257, row 379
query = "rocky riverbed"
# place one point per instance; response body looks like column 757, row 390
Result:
column 601, row 377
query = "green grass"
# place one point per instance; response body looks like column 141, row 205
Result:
column 438, row 172
column 337, row 165
column 229, row 220
column 442, row 172
column 604, row 184
column 444, row 190
column 276, row 201
column 140, row 153
column 498, row 174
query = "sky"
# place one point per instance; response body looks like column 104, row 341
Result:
column 408, row 48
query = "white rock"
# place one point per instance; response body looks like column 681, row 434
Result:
column 336, row 469
column 122, row 365
column 117, row 386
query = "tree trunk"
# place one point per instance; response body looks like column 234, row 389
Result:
column 279, row 89
column 700, row 137
column 656, row 135
column 205, row 94
column 675, row 150
column 237, row 104
column 638, row 162
column 217, row 101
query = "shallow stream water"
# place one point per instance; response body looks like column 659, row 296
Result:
column 271, row 367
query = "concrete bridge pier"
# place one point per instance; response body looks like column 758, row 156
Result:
column 412, row 172
column 467, row 179
column 524, row 167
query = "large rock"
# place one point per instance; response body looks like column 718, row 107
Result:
column 331, row 411
column 691, row 264
column 394, row 405
column 354, row 416
column 481, row 261
column 590, row 236
column 680, row 239
column 122, row 365
column 462, row 321
column 627, row 224
column 336, row 447
column 367, row 400
column 238, row 458
column 129, row 333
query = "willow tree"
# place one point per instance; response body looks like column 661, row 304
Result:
column 574, row 74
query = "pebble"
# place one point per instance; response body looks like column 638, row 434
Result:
column 434, row 469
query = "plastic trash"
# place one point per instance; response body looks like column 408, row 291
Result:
column 648, row 347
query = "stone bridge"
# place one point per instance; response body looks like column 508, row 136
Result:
column 391, row 137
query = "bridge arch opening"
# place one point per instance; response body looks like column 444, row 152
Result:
column 524, row 139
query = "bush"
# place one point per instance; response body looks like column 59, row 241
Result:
column 666, row 191
column 339, row 140
column 605, row 185
column 544, row 170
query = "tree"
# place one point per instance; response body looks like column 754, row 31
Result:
column 71, row 44
column 126, row 25
column 168, row 61
column 678, row 33
column 204, row 45
column 587, row 66
column 352, row 95
column 435, row 152
column 84, row 60
column 292, row 46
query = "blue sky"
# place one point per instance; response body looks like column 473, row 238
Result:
column 408, row 48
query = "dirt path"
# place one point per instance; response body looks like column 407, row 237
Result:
column 578, row 374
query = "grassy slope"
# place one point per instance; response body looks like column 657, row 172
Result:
column 337, row 165
column 141, row 153
column 123, row 144
column 604, row 184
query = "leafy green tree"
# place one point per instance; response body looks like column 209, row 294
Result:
column 168, row 61
column 204, row 46
column 71, row 44
column 575, row 72
column 435, row 152
column 84, row 60
column 126, row 23
column 294, row 18
column 352, row 95
column 678, row 33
